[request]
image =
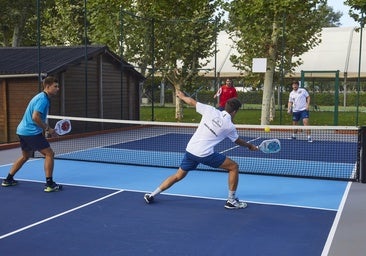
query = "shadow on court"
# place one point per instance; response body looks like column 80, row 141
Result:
column 95, row 221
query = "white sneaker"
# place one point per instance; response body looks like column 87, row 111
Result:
column 310, row 140
column 235, row 204
column 148, row 198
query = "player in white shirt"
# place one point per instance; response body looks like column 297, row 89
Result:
column 298, row 106
column 214, row 127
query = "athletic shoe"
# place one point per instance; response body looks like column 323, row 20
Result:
column 310, row 140
column 8, row 183
column 235, row 204
column 292, row 138
column 53, row 188
column 148, row 199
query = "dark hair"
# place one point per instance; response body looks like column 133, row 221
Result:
column 49, row 81
column 295, row 82
column 232, row 105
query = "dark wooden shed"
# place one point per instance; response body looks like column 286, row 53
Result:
column 94, row 82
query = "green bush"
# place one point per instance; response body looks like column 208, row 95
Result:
column 255, row 97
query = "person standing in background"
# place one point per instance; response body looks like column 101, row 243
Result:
column 298, row 106
column 225, row 92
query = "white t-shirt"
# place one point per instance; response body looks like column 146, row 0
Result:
column 298, row 99
column 214, row 127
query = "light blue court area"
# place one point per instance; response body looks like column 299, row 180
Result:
column 313, row 193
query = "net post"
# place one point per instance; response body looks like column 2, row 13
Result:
column 362, row 154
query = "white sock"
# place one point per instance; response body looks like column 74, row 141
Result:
column 156, row 191
column 231, row 194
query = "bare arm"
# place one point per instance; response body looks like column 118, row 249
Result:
column 307, row 102
column 289, row 107
column 243, row 143
column 186, row 99
column 36, row 117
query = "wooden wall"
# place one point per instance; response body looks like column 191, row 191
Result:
column 101, row 95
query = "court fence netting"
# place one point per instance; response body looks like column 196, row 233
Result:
column 337, row 152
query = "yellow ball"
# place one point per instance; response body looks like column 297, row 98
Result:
column 266, row 129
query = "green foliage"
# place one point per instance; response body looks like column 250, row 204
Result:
column 357, row 10
column 63, row 24
column 254, row 23
column 14, row 17
column 255, row 98
column 250, row 115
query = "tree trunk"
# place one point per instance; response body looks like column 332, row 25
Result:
column 162, row 92
column 178, row 104
column 267, row 95
column 272, row 112
column 268, row 78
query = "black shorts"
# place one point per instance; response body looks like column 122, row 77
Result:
column 33, row 142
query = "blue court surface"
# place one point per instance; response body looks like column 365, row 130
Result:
column 101, row 211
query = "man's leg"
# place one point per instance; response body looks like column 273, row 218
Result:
column 233, row 179
column 167, row 183
column 9, row 180
column 233, row 171
column 48, row 161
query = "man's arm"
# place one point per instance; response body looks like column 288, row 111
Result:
column 243, row 143
column 36, row 117
column 289, row 107
column 186, row 99
column 307, row 103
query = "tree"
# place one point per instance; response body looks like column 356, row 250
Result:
column 13, row 19
column 332, row 19
column 63, row 23
column 357, row 10
column 178, row 46
column 257, row 27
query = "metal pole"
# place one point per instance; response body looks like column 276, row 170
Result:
column 152, row 68
column 359, row 71
column 215, row 67
column 121, row 59
column 86, row 57
column 39, row 46
column 282, row 66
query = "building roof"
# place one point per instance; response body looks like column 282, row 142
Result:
column 338, row 50
column 23, row 61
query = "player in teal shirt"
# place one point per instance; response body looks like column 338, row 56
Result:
column 31, row 132
column 27, row 126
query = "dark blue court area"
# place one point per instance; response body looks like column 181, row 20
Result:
column 101, row 211
column 93, row 221
column 291, row 149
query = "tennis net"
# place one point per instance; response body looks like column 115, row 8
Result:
column 335, row 152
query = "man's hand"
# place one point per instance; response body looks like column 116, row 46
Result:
column 181, row 95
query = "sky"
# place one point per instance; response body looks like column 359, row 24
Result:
column 346, row 20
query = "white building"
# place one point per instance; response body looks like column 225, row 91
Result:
column 338, row 50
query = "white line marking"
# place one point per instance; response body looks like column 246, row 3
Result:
column 58, row 215
column 336, row 221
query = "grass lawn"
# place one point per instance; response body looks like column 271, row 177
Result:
column 252, row 115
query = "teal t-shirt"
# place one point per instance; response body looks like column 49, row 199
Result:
column 27, row 126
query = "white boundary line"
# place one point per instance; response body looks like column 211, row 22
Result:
column 58, row 215
column 336, row 222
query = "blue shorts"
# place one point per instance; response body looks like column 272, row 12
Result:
column 33, row 142
column 190, row 162
column 297, row 116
